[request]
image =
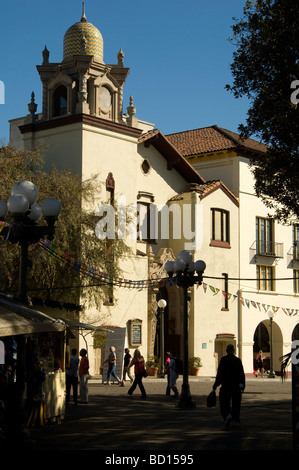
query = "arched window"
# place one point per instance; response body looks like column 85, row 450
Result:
column 105, row 102
column 60, row 101
column 105, row 98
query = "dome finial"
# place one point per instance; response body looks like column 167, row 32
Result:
column 83, row 18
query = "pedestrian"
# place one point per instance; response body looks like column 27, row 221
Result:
column 167, row 372
column 138, row 362
column 111, row 359
column 231, row 377
column 260, row 363
column 72, row 377
column 84, row 376
column 127, row 362
column 173, row 374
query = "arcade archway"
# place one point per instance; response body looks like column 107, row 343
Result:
column 262, row 341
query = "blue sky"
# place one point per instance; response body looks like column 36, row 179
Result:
column 177, row 51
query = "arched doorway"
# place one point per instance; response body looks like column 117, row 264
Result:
column 172, row 322
column 295, row 334
column 262, row 341
column 172, row 313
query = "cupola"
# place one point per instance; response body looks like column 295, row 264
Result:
column 83, row 32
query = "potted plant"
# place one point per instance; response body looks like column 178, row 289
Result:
column 152, row 365
column 194, row 365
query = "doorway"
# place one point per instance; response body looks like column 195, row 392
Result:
column 262, row 342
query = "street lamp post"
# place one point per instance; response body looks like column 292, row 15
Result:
column 272, row 373
column 162, row 304
column 185, row 268
column 24, row 213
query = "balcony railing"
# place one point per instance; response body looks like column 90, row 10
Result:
column 267, row 248
column 294, row 251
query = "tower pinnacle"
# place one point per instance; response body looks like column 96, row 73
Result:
column 83, row 18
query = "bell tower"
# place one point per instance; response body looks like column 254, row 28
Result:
column 82, row 83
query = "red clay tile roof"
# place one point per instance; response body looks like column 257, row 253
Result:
column 172, row 155
column 212, row 139
column 203, row 190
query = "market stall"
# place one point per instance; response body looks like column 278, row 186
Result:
column 33, row 346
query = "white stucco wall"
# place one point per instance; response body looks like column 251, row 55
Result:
column 88, row 151
column 209, row 320
column 236, row 173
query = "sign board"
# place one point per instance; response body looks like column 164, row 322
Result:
column 136, row 334
column 135, row 330
column 118, row 339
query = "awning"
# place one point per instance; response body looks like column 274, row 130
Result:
column 225, row 336
column 17, row 319
column 85, row 326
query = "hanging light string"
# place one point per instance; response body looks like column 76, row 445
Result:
column 101, row 278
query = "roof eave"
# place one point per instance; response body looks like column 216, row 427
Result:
column 173, row 156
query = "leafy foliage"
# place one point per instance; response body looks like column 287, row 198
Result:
column 264, row 67
column 74, row 235
column 194, row 362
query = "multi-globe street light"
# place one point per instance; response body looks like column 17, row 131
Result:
column 184, row 268
column 25, row 213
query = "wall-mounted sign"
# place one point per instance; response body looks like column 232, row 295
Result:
column 135, row 333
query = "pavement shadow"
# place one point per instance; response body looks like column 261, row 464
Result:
column 118, row 422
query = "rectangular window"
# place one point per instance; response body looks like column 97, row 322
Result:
column 265, row 277
column 220, row 230
column 265, row 236
column 146, row 222
column 296, row 281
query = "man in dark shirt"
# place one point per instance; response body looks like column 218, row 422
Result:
column 127, row 362
column 231, row 377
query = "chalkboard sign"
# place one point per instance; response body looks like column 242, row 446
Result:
column 135, row 333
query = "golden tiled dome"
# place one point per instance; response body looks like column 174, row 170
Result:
column 72, row 41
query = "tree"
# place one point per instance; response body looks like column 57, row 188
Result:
column 265, row 69
column 50, row 277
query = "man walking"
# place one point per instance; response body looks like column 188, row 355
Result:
column 231, row 377
column 127, row 362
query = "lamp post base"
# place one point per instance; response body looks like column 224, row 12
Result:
column 185, row 399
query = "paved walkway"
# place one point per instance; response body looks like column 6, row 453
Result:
column 113, row 422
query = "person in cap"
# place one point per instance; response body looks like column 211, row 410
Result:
column 231, row 377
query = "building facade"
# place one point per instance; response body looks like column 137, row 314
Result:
column 187, row 197
column 266, row 287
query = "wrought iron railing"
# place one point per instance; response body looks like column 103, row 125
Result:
column 268, row 248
